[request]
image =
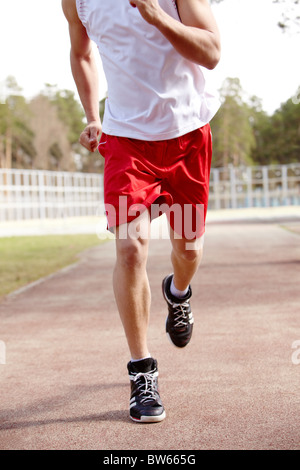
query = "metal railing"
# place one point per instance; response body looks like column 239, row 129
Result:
column 258, row 186
column 35, row 194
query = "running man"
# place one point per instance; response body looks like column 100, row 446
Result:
column 156, row 142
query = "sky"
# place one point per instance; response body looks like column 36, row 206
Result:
column 34, row 48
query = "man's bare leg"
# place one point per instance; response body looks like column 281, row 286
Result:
column 131, row 285
column 133, row 297
column 186, row 257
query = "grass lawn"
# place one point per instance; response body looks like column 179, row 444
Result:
column 26, row 259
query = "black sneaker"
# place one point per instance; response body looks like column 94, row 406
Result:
column 180, row 320
column 145, row 402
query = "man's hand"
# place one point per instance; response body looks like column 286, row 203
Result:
column 90, row 136
column 149, row 9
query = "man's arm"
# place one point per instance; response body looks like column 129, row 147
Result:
column 196, row 37
column 85, row 74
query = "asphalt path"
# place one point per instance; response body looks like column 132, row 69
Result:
column 64, row 382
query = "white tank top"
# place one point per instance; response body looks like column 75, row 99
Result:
column 153, row 92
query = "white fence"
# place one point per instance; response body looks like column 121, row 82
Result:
column 33, row 194
column 259, row 186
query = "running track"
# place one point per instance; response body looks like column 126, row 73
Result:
column 236, row 386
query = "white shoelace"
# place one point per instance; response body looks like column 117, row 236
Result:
column 147, row 387
column 180, row 315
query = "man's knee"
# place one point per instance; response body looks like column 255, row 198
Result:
column 192, row 255
column 190, row 251
column 131, row 254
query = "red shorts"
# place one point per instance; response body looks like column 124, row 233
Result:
column 168, row 176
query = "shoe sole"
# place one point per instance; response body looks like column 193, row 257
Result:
column 149, row 419
column 169, row 337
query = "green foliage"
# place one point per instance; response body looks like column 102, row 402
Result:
column 71, row 113
column 43, row 133
column 16, row 136
column 278, row 136
column 243, row 134
column 69, row 110
column 231, row 128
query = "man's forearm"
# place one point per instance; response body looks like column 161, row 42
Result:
column 197, row 45
column 86, row 78
column 196, row 37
